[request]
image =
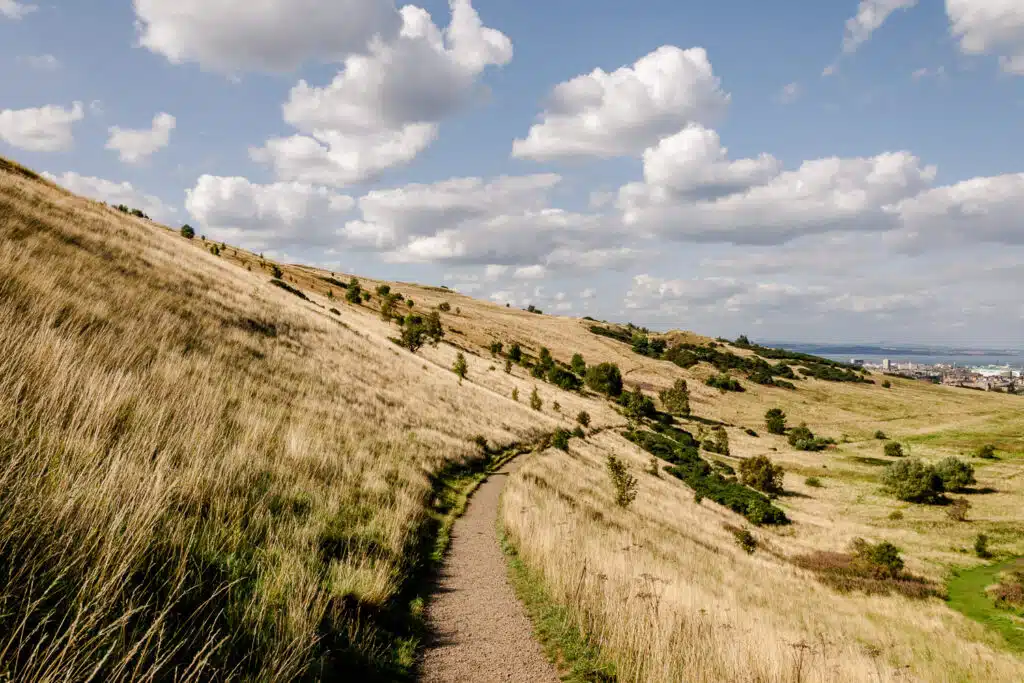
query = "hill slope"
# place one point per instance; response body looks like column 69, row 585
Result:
column 204, row 476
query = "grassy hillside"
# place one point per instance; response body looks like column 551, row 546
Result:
column 207, row 475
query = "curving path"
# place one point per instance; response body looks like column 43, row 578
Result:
column 479, row 629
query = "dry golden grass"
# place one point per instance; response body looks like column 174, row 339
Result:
column 201, row 475
column 205, row 477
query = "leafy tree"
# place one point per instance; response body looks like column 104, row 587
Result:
column 981, row 546
column 383, row 290
column 275, row 272
column 515, row 353
column 742, row 341
column 583, row 418
column 623, row 482
column 605, row 378
column 720, row 443
column 579, row 366
column 460, row 367
column 535, row 401
column 417, row 331
column 544, row 360
column 881, row 559
column 187, row 232
column 724, row 382
column 387, row 308
column 762, row 474
column 676, row 400
column 354, row 293
column 956, row 474
column 637, row 405
column 775, row 421
column 893, row 449
column 563, row 379
column 913, row 481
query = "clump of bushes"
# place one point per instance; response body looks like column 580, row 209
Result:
column 881, row 559
column 676, row 400
column 623, row 483
column 775, row 421
column 583, row 417
column 893, row 449
column 637, row 405
column 719, row 444
column 563, row 379
column 496, row 347
column 956, row 474
column 578, row 365
column 560, row 439
column 986, row 452
column 762, row 474
column 913, row 481
column 724, row 382
column 417, row 331
column 803, row 439
column 874, row 568
column 605, row 378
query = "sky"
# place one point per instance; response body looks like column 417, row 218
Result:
column 835, row 171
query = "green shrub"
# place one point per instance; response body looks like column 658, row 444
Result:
column 913, row 481
column 762, row 474
column 535, row 401
column 957, row 510
column 881, row 559
column 410, row 303
column 775, row 421
column 515, row 395
column 956, row 474
column 720, row 443
column 896, row 515
column 444, row 307
column 515, row 353
column 560, row 439
column 623, row 482
column 556, row 406
column 637, row 405
column 893, row 449
column 460, row 367
column 886, row 384
column 981, row 546
column 187, row 232
column 583, row 417
column 988, row 452
column 880, row 435
column 746, row 540
column 354, row 293
column 563, row 379
column 605, row 378
column 676, row 400
column 724, row 382
column 417, row 331
column 813, row 482
column 544, row 360
column 508, row 366
column 578, row 432
column 383, row 290
column 578, row 365
column 496, row 347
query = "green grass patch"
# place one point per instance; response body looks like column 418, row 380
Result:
column 967, row 595
column 572, row 651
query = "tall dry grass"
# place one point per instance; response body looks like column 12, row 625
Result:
column 201, row 476
column 666, row 593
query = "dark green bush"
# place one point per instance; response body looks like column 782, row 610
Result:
column 775, row 421
column 913, row 481
column 956, row 474
column 187, row 232
column 563, row 379
column 746, row 540
column 383, row 290
column 813, row 482
column 880, row 435
column 881, row 559
column 893, row 449
column 761, row 473
column 724, row 382
column 622, row 481
column 720, row 443
column 578, row 365
column 637, row 405
column 460, row 367
column 535, row 401
column 496, row 347
column 578, row 432
column 981, row 547
column 560, row 439
column 583, row 418
column 515, row 353
column 605, row 378
column 803, row 439
column 988, row 452
column 444, row 307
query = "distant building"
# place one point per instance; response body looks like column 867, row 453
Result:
column 857, row 361
column 886, row 365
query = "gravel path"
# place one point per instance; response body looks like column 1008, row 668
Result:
column 479, row 629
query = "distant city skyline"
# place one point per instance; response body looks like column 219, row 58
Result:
column 816, row 171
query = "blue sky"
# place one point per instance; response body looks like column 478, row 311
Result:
column 871, row 188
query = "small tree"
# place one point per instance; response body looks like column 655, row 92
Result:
column 956, row 474
column 893, row 449
column 460, row 367
column 987, row 452
column 354, row 293
column 383, row 290
column 913, row 481
column 623, row 482
column 677, row 399
column 275, row 272
column 544, row 360
column 515, row 394
column 880, row 435
column 583, row 418
column 187, row 232
column 508, row 366
column 444, row 307
column 762, row 474
column 496, row 347
column 775, row 421
column 535, row 401
column 560, row 439
column 981, row 546
column 637, row 405
column 515, row 353
column 881, row 559
column 605, row 378
column 579, row 366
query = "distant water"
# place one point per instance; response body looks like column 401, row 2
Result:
column 1014, row 361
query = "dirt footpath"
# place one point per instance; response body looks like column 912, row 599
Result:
column 480, row 631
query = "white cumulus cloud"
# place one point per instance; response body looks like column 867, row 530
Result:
column 603, row 114
column 267, row 217
column 871, row 14
column 137, row 145
column 41, row 129
column 384, row 108
column 990, row 27
column 113, row 193
column 269, row 35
